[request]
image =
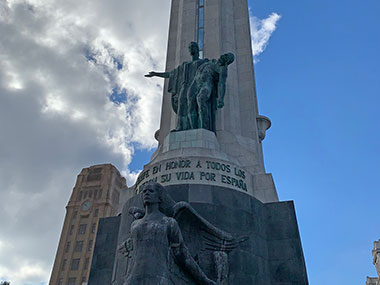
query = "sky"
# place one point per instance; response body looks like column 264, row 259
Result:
column 72, row 95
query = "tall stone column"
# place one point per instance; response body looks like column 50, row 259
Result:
column 224, row 26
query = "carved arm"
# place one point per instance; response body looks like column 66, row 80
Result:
column 158, row 74
column 187, row 262
column 222, row 86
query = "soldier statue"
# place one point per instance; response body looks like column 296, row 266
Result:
column 180, row 79
column 198, row 89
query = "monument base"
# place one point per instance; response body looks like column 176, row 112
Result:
column 271, row 253
column 195, row 157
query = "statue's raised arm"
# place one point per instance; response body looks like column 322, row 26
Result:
column 224, row 61
column 158, row 74
column 180, row 79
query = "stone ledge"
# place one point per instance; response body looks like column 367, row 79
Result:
column 199, row 138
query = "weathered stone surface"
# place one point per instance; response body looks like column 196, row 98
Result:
column 271, row 255
column 104, row 251
column 195, row 157
column 371, row 281
column 226, row 29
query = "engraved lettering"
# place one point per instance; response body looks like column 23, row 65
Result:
column 218, row 166
column 156, row 169
column 166, row 178
column 207, row 176
column 185, row 175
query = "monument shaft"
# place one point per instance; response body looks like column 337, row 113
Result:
column 219, row 27
column 226, row 29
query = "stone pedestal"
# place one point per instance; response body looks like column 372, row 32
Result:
column 196, row 157
column 272, row 254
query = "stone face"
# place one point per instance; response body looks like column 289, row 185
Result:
column 272, row 253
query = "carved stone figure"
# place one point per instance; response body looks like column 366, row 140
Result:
column 156, row 250
column 206, row 92
column 376, row 257
column 179, row 81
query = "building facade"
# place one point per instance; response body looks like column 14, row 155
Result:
column 95, row 195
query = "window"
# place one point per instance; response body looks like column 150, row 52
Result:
column 72, row 281
column 60, row 281
column 86, row 263
column 79, row 246
column 94, row 177
column 80, row 195
column 100, row 194
column 96, row 170
column 96, row 212
column 71, row 229
column 201, row 20
column 89, row 245
column 67, row 247
column 93, row 228
column 89, row 194
column 85, row 195
column 64, row 265
column 75, row 264
column 83, row 279
column 82, row 229
column 75, row 213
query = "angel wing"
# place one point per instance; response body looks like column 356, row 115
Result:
column 205, row 241
column 213, row 238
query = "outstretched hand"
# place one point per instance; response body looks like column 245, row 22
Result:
column 220, row 104
column 150, row 74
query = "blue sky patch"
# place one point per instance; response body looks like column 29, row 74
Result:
column 140, row 158
column 118, row 96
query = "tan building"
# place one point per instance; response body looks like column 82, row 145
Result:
column 95, row 195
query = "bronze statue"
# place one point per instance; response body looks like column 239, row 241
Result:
column 156, row 249
column 198, row 88
column 179, row 81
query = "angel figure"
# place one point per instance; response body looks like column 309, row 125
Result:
column 156, row 239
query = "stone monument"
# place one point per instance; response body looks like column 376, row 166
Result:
column 203, row 210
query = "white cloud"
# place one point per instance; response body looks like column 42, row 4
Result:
column 60, row 61
column 261, row 31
